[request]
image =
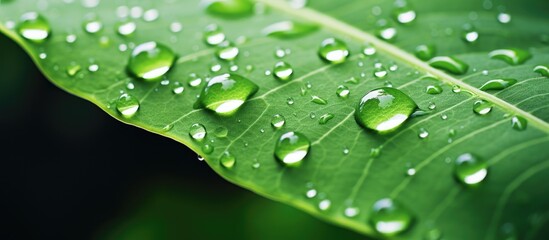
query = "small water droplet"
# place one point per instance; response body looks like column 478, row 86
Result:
column 456, row 89
column 425, row 51
column 150, row 15
column 126, row 28
column 498, row 84
column 390, row 218
column 387, row 33
column 73, row 69
column 178, row 90
column 384, row 109
column 213, row 35
column 369, row 50
column 221, row 132
column 318, row 100
column 324, row 205
column 290, row 101
column 311, row 193
column 333, row 50
column 423, row 133
column 278, row 121
column 404, row 15
column 470, row 35
column 444, row 117
column 433, row 89
column 92, row 25
column 224, row 94
column 283, row 71
column 227, row 160
column 411, row 171
column 291, row 148
column 450, row 64
column 342, row 91
column 482, row 107
column 519, row 123
column 432, row 106
column 512, row 56
column 375, row 152
column 93, row 68
column 176, row 27
column 34, row 27
column 207, row 148
column 227, row 51
column 127, row 105
column 229, row 8
column 71, row 38
column 346, row 151
column 504, row 17
column 543, row 70
column 151, row 60
column 325, row 118
column 470, row 169
column 380, row 71
column 197, row 132
column 312, row 115
column 351, row 211
column 289, row 29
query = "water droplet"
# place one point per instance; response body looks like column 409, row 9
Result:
column 423, row 133
column 470, row 35
column 351, row 211
column 289, row 29
column 498, row 84
column 93, row 68
column 324, row 205
column 176, row 27
column 543, row 70
column 221, row 132
column 318, row 100
column 200, row 158
column 482, row 107
column 151, row 60
column 213, row 35
column 411, row 171
column 433, row 89
column 278, row 121
column 227, row 160
column 456, row 89
column 404, row 15
column 369, row 50
column 73, row 69
column 375, row 152
column 425, row 51
column 34, row 27
column 519, row 123
column 384, row 109
column 92, row 25
column 433, row 234
column 333, row 50
column 229, row 8
column 346, row 151
column 432, row 106
column 290, row 101
column 150, row 15
column 387, row 33
column 450, row 64
column 325, row 118
column 380, row 71
column 504, row 17
column 470, row 169
column 342, row 91
column 71, row 38
column 444, row 117
column 194, row 81
column 311, row 193
column 178, row 90
column 224, row 94
column 291, row 148
column 227, row 51
column 283, row 71
column 126, row 28
column 207, row 148
column 389, row 218
column 512, row 56
column 127, row 105
column 197, row 132
column 312, row 115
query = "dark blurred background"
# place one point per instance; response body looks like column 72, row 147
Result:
column 70, row 171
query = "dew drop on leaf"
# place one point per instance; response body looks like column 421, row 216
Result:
column 389, row 218
column 369, row 50
column 92, row 25
column 127, row 105
column 283, row 71
column 126, row 28
column 470, row 35
column 207, row 148
column 333, row 50
column 150, row 61
column 278, row 121
column 73, row 69
column 469, row 169
column 224, row 94
column 456, row 89
column 387, row 33
column 433, row 89
column 380, row 71
column 498, row 84
column 213, row 35
column 543, row 70
column 288, row 29
column 384, row 109
column 34, row 27
column 221, row 132
column 197, row 132
column 227, row 160
column 449, row 64
column 512, row 56
column 325, row 118
column 227, row 51
column 342, row 91
column 178, row 90
column 291, row 148
column 404, row 15
column 482, row 107
column 318, row 100
column 351, row 212
column 425, row 51
column 519, row 123
column 504, row 18
column 423, row 133
column 311, row 193
column 229, row 8
column 324, row 205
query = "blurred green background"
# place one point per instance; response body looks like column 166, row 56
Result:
column 69, row 171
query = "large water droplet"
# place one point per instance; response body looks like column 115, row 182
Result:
column 227, row 160
column 289, row 29
column 512, row 56
column 482, row 107
column 213, row 35
column 151, row 60
column 425, row 51
column 470, row 169
column 224, row 94
column 498, row 84
column 543, row 70
column 278, row 121
column 227, row 51
column 389, row 218
column 450, row 64
column 34, row 27
column 291, row 148
column 283, row 71
column 384, row 109
column 229, row 8
column 197, row 132
column 127, row 105
column 519, row 123
column 333, row 50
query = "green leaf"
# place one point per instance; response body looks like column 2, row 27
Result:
column 348, row 169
